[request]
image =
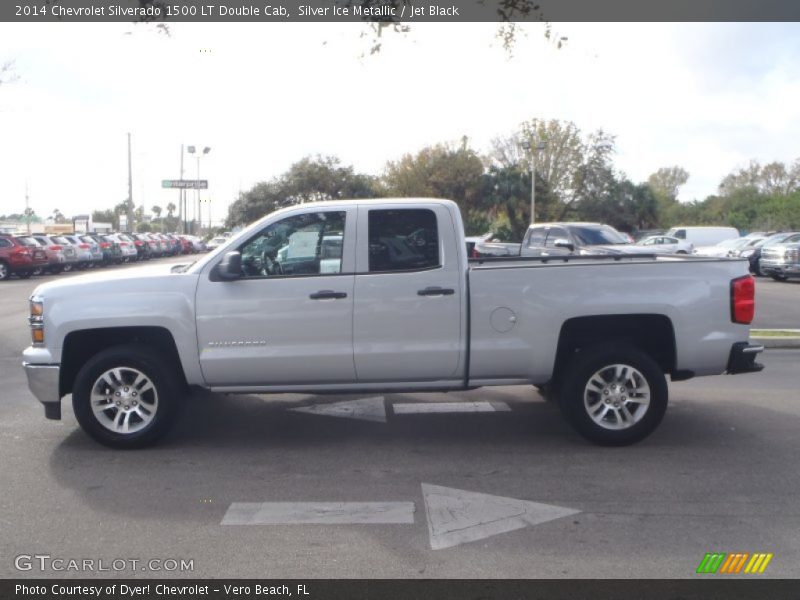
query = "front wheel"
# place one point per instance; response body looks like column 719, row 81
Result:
column 777, row 277
column 127, row 396
column 614, row 394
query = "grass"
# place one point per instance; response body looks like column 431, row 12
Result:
column 774, row 333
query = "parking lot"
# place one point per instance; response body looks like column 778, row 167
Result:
column 719, row 475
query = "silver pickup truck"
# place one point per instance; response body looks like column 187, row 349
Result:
column 379, row 295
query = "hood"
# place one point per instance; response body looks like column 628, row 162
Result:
column 91, row 281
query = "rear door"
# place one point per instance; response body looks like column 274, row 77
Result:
column 407, row 322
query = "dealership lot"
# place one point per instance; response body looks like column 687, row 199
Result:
column 377, row 486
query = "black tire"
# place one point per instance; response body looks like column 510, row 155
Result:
column 5, row 271
column 24, row 274
column 586, row 364
column 55, row 270
column 161, row 372
column 777, row 277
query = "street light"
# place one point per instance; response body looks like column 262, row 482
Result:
column 538, row 144
column 193, row 150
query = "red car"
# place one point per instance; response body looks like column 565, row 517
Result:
column 20, row 256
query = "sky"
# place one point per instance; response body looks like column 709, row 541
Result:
column 707, row 97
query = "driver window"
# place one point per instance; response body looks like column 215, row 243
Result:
column 307, row 244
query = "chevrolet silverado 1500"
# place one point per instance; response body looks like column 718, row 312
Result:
column 379, row 295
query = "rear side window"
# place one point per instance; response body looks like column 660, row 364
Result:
column 27, row 241
column 403, row 240
column 556, row 233
column 536, row 239
column 680, row 234
column 4, row 243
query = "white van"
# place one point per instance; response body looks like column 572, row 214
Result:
column 704, row 236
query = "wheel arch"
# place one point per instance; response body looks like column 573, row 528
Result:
column 654, row 334
column 81, row 345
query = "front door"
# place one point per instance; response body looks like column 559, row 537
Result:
column 289, row 319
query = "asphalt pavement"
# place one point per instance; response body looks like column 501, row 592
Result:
column 378, row 486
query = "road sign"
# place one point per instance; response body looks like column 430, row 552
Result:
column 185, row 184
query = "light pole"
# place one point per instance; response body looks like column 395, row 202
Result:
column 192, row 150
column 537, row 145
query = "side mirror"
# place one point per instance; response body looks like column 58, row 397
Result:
column 230, row 267
column 564, row 243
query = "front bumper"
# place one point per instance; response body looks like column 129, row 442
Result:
column 43, row 381
column 742, row 358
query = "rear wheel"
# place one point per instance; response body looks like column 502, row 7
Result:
column 127, row 396
column 5, row 272
column 777, row 277
column 613, row 394
column 24, row 274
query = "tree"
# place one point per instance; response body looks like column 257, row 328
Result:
column 772, row 178
column 440, row 171
column 568, row 162
column 310, row 179
column 170, row 209
column 58, row 217
column 143, row 228
column 106, row 216
column 665, row 185
column 156, row 210
column 667, row 182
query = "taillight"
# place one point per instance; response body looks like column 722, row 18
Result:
column 743, row 300
column 138, row 242
column 124, row 244
column 56, row 248
column 21, row 250
column 105, row 244
column 83, row 246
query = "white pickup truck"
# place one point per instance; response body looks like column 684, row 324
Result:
column 379, row 295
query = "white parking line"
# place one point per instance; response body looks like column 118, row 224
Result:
column 449, row 407
column 319, row 513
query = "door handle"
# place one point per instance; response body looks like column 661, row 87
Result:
column 328, row 295
column 436, row 291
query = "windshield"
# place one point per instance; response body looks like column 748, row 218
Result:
column 595, row 236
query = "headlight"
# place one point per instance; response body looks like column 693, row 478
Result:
column 746, row 253
column 36, row 321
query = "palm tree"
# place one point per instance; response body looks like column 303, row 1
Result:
column 170, row 209
column 156, row 211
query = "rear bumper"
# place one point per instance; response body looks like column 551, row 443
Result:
column 742, row 358
column 43, row 383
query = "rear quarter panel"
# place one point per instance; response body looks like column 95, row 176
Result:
column 694, row 294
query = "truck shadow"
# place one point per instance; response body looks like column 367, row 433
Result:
column 245, row 449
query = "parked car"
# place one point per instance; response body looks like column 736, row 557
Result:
column 197, row 245
column 471, row 240
column 564, row 239
column 494, row 248
column 56, row 260
column 704, row 236
column 410, row 311
column 721, row 249
column 142, row 245
column 753, row 255
column 215, row 242
column 70, row 253
column 20, row 256
column 781, row 260
column 88, row 254
column 663, row 244
column 112, row 253
column 127, row 246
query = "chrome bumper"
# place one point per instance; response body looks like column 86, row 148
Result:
column 43, row 382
